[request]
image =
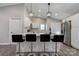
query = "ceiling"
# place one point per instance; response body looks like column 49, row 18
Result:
column 58, row 11
column 6, row 4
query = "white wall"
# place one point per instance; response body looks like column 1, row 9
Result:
column 74, row 30
column 5, row 14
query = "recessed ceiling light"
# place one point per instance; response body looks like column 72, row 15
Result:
column 56, row 14
column 39, row 10
column 49, row 14
column 31, row 14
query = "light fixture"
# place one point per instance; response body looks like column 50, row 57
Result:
column 39, row 10
column 48, row 13
column 56, row 14
column 31, row 14
column 39, row 14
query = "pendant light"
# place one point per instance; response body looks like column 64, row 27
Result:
column 31, row 14
column 49, row 13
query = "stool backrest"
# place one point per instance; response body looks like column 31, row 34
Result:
column 17, row 38
column 45, row 37
column 31, row 37
column 58, row 38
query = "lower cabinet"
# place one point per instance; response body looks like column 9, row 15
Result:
column 25, row 47
column 38, row 47
column 50, row 46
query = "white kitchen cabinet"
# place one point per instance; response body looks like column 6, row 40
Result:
column 38, row 46
column 50, row 46
column 25, row 47
column 35, row 25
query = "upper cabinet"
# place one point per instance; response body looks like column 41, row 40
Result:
column 27, row 22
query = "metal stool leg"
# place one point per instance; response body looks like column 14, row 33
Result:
column 55, row 48
column 44, row 46
column 19, row 49
column 31, row 47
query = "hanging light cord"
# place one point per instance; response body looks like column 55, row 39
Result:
column 31, row 8
column 48, row 7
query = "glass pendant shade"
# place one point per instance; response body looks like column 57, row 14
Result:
column 48, row 14
column 31, row 14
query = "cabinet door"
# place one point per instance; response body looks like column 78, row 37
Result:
column 38, row 47
column 25, row 47
column 15, row 26
column 50, row 46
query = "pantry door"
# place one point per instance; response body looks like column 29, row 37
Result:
column 15, row 26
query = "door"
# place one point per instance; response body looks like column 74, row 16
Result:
column 67, row 34
column 15, row 26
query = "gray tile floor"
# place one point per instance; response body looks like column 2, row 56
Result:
column 37, row 54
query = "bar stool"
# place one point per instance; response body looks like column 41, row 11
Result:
column 31, row 38
column 18, row 39
column 57, row 38
column 44, row 38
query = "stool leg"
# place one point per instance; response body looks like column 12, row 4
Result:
column 31, row 47
column 19, row 49
column 55, row 48
column 44, row 46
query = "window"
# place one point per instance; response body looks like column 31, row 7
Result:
column 42, row 26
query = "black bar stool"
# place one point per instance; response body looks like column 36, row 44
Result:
column 57, row 38
column 17, row 39
column 44, row 38
column 31, row 38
